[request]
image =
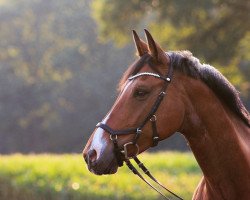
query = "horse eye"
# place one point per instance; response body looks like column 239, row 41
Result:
column 139, row 93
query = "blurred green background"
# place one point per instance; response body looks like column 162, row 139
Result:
column 60, row 60
column 63, row 177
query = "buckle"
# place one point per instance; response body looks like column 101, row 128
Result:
column 155, row 141
column 138, row 131
column 162, row 93
column 153, row 118
column 156, row 138
column 168, row 79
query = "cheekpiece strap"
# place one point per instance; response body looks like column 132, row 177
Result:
column 155, row 137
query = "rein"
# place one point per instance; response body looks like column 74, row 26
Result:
column 138, row 131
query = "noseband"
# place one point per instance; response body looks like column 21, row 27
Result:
column 121, row 154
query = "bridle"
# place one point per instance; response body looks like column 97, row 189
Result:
column 121, row 154
column 150, row 117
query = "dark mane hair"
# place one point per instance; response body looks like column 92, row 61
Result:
column 186, row 63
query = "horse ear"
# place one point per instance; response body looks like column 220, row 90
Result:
column 140, row 45
column 155, row 49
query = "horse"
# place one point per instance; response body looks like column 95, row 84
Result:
column 195, row 100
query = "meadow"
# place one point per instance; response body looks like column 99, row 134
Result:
column 65, row 177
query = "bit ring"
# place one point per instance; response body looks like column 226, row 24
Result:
column 111, row 137
column 126, row 150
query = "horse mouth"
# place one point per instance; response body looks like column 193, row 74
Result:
column 101, row 168
column 107, row 171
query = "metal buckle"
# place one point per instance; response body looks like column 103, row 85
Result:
column 162, row 93
column 111, row 137
column 125, row 151
column 156, row 138
column 153, row 118
column 138, row 131
column 168, row 79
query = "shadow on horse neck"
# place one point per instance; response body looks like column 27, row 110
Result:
column 216, row 125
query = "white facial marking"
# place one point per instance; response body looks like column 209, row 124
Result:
column 99, row 143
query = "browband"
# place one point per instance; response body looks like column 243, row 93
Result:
column 149, row 74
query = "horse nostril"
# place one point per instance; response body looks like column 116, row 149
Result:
column 92, row 155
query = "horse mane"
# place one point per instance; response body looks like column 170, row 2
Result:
column 186, row 63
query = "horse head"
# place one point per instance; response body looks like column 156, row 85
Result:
column 141, row 115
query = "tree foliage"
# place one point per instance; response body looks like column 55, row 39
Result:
column 57, row 78
column 54, row 74
column 214, row 25
column 215, row 31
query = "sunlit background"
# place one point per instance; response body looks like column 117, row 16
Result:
column 60, row 62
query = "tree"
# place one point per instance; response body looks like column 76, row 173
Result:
column 215, row 31
column 51, row 93
column 57, row 79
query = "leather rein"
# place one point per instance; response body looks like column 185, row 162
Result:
column 121, row 154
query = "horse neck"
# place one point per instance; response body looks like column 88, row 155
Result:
column 217, row 137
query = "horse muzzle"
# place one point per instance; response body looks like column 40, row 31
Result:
column 104, row 164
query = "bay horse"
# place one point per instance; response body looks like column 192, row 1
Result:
column 199, row 102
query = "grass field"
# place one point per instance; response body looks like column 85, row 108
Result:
column 65, row 177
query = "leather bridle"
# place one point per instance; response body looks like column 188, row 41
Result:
column 122, row 155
